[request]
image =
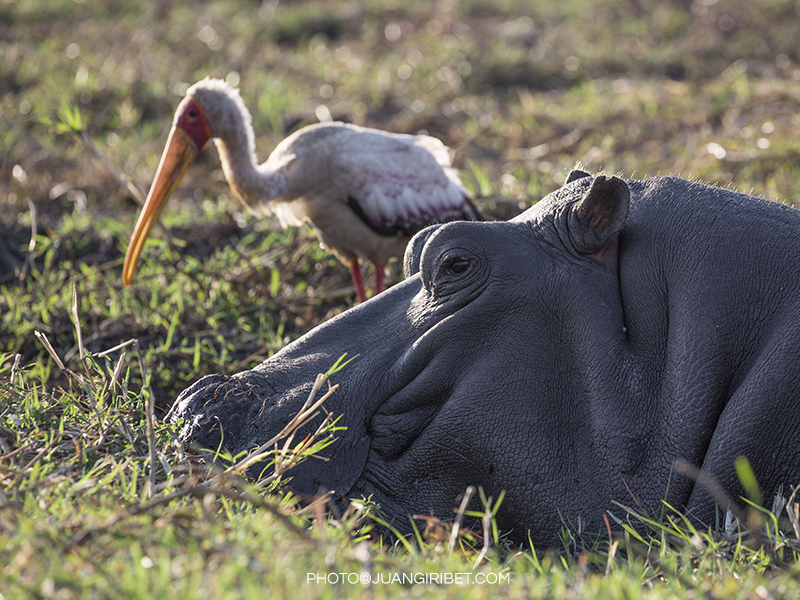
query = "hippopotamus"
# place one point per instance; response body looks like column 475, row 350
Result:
column 567, row 357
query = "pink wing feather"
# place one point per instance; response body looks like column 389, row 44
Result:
column 398, row 182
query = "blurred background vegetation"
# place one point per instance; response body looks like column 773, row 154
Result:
column 521, row 90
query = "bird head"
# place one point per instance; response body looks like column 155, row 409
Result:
column 190, row 132
column 211, row 109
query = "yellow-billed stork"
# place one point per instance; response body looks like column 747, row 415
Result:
column 364, row 191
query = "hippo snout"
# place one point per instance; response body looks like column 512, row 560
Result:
column 220, row 407
column 240, row 412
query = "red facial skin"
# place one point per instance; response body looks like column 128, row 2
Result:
column 191, row 117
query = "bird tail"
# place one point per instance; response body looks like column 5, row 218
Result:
column 470, row 211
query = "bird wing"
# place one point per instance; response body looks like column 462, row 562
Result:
column 393, row 182
column 400, row 183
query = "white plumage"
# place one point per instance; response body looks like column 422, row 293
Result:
column 364, row 191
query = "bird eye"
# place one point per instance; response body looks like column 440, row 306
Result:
column 193, row 113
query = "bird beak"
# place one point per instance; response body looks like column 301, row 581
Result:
column 178, row 155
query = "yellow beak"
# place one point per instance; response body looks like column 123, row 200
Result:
column 178, row 155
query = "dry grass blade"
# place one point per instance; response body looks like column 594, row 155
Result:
column 36, row 458
column 123, row 180
column 303, row 416
column 486, row 521
column 51, row 351
column 612, row 545
column 110, row 391
column 117, row 371
column 54, row 355
column 14, row 368
column 460, row 517
column 32, row 244
column 711, row 485
column 11, row 454
column 126, row 430
column 314, row 507
column 117, row 347
column 288, row 458
column 151, row 445
column 793, row 510
column 76, row 321
column 142, row 370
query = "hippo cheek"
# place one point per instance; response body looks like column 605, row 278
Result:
column 423, row 378
column 403, row 418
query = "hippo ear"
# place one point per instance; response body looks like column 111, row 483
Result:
column 597, row 218
column 576, row 174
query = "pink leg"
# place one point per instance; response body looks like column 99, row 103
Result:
column 355, row 271
column 379, row 272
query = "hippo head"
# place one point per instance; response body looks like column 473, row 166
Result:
column 566, row 357
column 456, row 368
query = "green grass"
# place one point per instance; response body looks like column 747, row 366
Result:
column 98, row 501
column 520, row 90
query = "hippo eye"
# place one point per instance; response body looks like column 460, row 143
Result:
column 453, row 268
column 453, row 264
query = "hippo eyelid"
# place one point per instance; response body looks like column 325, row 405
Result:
column 458, row 266
column 453, row 265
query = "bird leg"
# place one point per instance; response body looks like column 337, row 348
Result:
column 379, row 272
column 358, row 281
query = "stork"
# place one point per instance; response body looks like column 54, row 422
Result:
column 364, row 191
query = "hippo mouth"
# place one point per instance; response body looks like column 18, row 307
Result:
column 421, row 386
column 383, row 414
column 242, row 412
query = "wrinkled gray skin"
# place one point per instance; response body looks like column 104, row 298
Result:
column 566, row 357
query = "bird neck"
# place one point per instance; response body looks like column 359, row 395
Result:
column 253, row 184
